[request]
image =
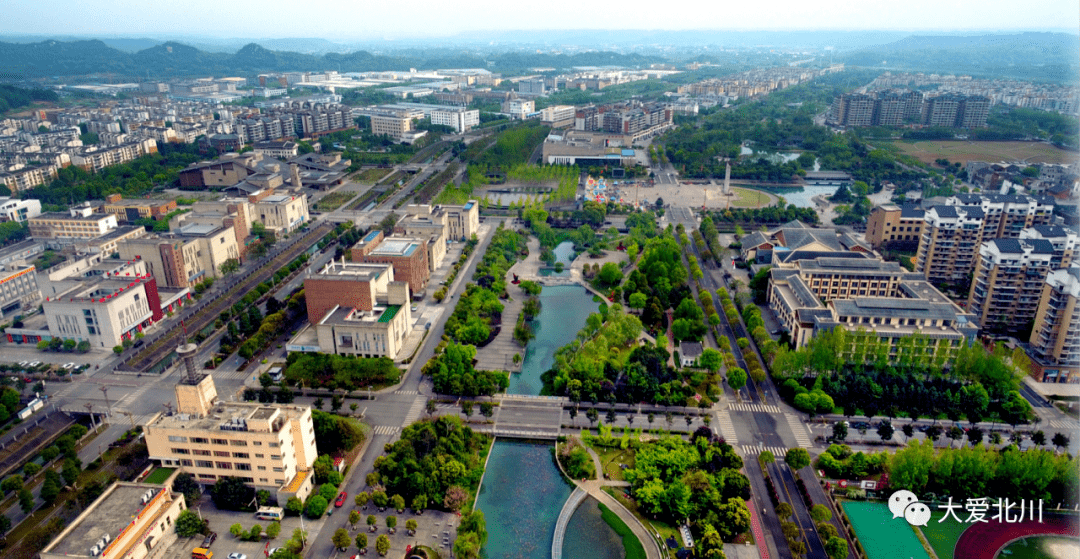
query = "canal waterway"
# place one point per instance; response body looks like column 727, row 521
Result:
column 563, row 310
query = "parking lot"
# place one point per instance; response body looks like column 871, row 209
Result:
column 435, row 529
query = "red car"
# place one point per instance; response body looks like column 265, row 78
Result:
column 341, row 499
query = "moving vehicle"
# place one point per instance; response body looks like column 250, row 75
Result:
column 270, row 513
column 237, row 556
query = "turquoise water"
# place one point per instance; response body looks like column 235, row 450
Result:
column 587, row 535
column 521, row 496
column 564, row 253
column 563, row 310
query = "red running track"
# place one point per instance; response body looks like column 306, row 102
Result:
column 983, row 540
column 759, row 535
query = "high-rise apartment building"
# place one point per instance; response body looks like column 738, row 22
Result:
column 1055, row 340
column 1008, row 282
column 953, row 232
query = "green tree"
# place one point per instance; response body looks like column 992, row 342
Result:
column 397, row 502
column 382, row 544
column 231, row 493
column 50, row 488
column 609, row 275
column 797, row 458
column 886, row 431
column 736, row 378
column 188, row 524
column 26, row 500
column 361, row 541
column 294, row 506
column 840, row 431
column 784, row 511
column 316, row 506
column 710, row 359
column 836, row 548
column 411, row 526
column 391, row 522
column 419, row 502
column 820, row 513
column 341, row 539
column 910, row 467
column 255, row 534
column 273, row 529
column 15, row 483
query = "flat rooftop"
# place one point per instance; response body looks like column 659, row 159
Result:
column 111, row 514
column 350, row 315
column 395, row 247
column 354, row 271
column 227, row 416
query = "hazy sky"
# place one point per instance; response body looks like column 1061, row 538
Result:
column 375, row 19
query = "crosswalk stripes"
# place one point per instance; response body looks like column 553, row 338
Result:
column 1061, row 424
column 727, row 428
column 755, row 407
column 802, row 436
column 415, row 411
column 754, row 450
column 387, row 429
column 407, row 392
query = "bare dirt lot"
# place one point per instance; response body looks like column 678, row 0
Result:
column 964, row 151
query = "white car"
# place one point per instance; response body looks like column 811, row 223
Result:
column 69, row 366
column 240, row 555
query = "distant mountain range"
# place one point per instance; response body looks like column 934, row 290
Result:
column 1038, row 56
column 1041, row 56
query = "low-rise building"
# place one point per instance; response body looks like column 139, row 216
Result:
column 399, row 127
column 558, row 116
column 280, row 149
column 881, row 307
column 460, row 119
column 79, row 223
column 895, row 226
column 134, row 210
column 102, row 302
column 1055, row 339
column 462, row 222
column 421, row 222
column 355, row 309
column 267, row 446
column 518, row 109
column 281, row 213
column 407, row 255
column 128, row 521
column 109, row 243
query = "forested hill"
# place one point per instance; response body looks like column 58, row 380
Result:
column 1048, row 57
column 168, row 60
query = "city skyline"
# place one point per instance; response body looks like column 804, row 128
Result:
column 423, row 18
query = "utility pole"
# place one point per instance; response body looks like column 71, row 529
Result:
column 90, row 409
column 108, row 406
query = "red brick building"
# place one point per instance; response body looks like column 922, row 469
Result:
column 408, row 256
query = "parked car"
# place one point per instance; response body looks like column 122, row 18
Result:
column 209, row 539
column 69, row 366
column 341, row 499
column 237, row 556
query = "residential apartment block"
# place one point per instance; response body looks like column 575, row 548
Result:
column 267, row 446
column 953, row 232
column 1008, row 282
column 1055, row 340
column 879, row 304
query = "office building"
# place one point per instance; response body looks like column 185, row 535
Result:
column 398, row 128
column 19, row 292
column 518, row 108
column 79, row 223
column 424, row 222
column 355, row 309
column 134, row 210
column 1055, row 339
column 128, row 521
column 461, row 120
column 1008, row 281
column 102, row 302
column 408, row 256
column 558, row 116
column 534, row 86
column 281, row 213
column 881, row 306
column 185, row 257
column 13, row 209
column 267, row 446
column 893, row 226
column 278, row 149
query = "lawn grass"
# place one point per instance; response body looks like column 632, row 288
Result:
column 333, row 201
column 631, row 544
column 610, row 458
column 750, row 198
column 942, row 536
column 958, row 151
column 372, row 175
column 664, row 529
column 159, row 475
